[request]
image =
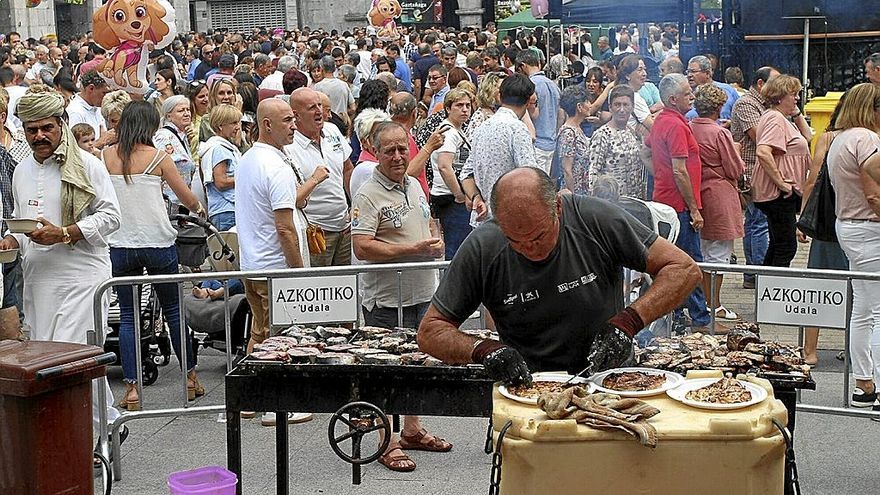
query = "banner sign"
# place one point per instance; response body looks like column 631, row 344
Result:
column 797, row 301
column 421, row 11
column 303, row 300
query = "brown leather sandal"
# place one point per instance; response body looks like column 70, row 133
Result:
column 416, row 442
column 397, row 462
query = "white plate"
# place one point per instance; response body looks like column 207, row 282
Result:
column 8, row 255
column 544, row 377
column 758, row 394
column 672, row 380
column 22, row 225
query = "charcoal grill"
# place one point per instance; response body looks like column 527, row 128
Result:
column 358, row 396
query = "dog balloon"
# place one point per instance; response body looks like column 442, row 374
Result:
column 128, row 30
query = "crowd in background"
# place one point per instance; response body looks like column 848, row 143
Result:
column 730, row 158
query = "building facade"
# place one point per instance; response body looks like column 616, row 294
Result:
column 67, row 18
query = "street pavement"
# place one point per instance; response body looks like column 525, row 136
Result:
column 835, row 454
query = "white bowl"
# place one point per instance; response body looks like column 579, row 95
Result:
column 22, row 225
column 8, row 255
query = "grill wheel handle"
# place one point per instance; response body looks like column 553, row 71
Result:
column 361, row 418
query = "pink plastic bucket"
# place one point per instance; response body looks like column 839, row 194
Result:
column 211, row 480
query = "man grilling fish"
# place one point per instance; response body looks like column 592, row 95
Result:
column 548, row 268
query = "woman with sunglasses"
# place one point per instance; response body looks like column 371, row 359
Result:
column 224, row 91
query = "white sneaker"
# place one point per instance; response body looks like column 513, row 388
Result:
column 268, row 418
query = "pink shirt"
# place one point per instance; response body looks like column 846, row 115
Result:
column 722, row 167
column 846, row 156
column 791, row 152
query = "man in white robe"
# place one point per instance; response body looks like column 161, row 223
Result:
column 63, row 261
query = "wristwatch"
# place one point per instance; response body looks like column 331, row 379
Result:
column 65, row 236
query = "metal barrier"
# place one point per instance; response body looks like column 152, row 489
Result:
column 715, row 268
column 96, row 337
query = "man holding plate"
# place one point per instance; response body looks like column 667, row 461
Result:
column 68, row 192
column 548, row 268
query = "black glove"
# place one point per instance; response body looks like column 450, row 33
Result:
column 613, row 345
column 502, row 363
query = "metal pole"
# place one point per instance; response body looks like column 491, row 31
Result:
column 846, row 345
column 230, row 348
column 712, row 295
column 806, row 61
column 138, row 357
column 183, row 340
column 399, row 298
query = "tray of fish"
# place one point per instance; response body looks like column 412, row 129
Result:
column 740, row 351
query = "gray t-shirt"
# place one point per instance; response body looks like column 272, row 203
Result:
column 549, row 311
column 338, row 92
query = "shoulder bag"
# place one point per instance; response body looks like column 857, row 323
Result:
column 315, row 236
column 818, row 217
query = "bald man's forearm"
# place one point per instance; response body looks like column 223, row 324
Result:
column 440, row 337
column 675, row 277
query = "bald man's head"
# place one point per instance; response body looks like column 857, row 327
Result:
column 308, row 110
column 276, row 122
column 402, row 104
column 526, row 207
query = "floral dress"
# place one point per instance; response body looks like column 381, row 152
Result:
column 615, row 153
column 574, row 144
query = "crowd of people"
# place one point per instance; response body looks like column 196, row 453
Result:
column 322, row 148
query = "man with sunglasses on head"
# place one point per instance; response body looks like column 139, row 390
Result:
column 208, row 62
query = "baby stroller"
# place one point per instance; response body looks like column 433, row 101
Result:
column 206, row 316
column 155, row 346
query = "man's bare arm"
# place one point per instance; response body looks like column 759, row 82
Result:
column 683, row 182
column 440, row 337
column 289, row 238
column 675, row 276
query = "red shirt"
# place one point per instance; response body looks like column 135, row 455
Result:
column 672, row 138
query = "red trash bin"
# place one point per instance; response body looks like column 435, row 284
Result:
column 46, row 411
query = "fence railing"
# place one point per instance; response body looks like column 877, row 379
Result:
column 97, row 336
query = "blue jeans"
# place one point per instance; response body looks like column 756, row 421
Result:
column 157, row 261
column 757, row 238
column 223, row 221
column 235, row 286
column 689, row 242
column 455, row 220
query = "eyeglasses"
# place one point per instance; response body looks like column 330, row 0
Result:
column 434, row 78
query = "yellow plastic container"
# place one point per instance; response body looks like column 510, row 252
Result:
column 698, row 451
column 820, row 109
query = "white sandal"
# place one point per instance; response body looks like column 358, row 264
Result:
column 725, row 314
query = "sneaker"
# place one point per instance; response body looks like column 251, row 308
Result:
column 876, row 408
column 748, row 284
column 268, row 418
column 860, row 398
column 248, row 414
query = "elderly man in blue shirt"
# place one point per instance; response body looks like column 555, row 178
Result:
column 699, row 71
column 547, row 120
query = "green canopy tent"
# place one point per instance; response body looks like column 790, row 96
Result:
column 525, row 19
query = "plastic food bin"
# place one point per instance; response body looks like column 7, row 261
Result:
column 46, row 416
column 820, row 109
column 698, row 451
column 211, row 480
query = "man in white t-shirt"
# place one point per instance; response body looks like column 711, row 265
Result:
column 85, row 106
column 265, row 188
column 318, row 143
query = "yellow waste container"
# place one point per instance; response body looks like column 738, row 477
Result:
column 819, row 109
column 701, row 451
